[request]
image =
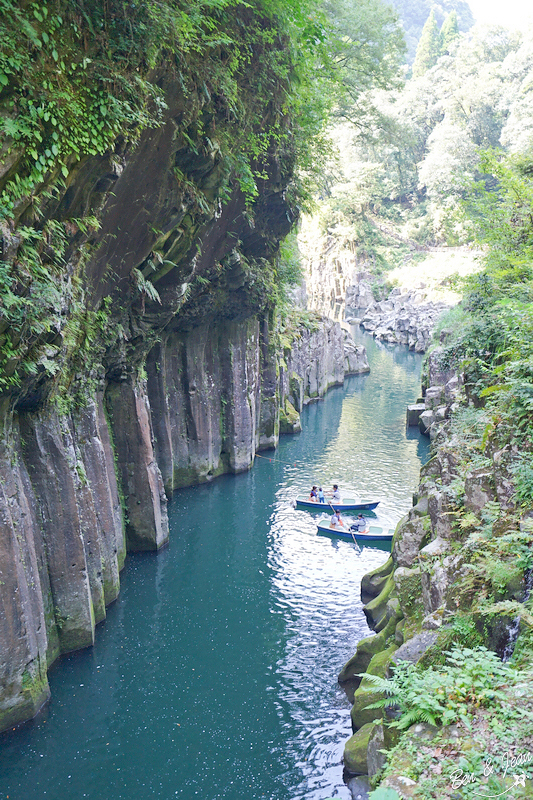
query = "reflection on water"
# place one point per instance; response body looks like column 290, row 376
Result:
column 214, row 675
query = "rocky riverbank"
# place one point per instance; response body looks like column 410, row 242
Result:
column 457, row 577
column 404, row 317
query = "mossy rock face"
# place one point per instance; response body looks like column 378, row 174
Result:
column 409, row 589
column 421, row 509
column 367, row 694
column 414, row 649
column 431, row 469
column 380, row 662
column 355, row 750
column 289, row 419
column 409, row 538
column 376, row 758
column 376, row 610
column 399, row 636
column 24, row 698
column 366, row 649
column 373, row 582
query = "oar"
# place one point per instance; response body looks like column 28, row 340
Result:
column 353, row 537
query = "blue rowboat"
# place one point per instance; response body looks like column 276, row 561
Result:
column 372, row 537
column 346, row 505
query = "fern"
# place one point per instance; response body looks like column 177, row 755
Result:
column 144, row 286
column 472, row 677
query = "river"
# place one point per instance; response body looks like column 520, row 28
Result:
column 214, row 675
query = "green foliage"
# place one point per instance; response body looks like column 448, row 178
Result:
column 145, row 288
column 288, row 267
column 367, row 46
column 383, row 793
column 471, row 678
column 522, row 471
column 428, row 49
column 448, row 33
column 31, row 295
column 421, row 151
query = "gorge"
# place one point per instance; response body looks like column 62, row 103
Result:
column 154, row 159
column 140, row 344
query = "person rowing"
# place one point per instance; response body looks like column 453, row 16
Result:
column 359, row 525
column 336, row 521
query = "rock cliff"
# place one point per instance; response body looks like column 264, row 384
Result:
column 140, row 349
column 340, row 284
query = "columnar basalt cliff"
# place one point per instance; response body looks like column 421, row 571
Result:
column 146, row 354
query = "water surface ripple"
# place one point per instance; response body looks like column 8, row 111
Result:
column 214, row 675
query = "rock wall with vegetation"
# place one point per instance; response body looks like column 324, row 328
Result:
column 451, row 602
column 147, row 179
column 446, row 685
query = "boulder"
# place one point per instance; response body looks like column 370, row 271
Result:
column 408, row 540
column 409, row 590
column 355, row 750
column 373, row 582
column 425, row 421
column 437, row 547
column 435, row 583
column 375, row 757
column 439, row 513
column 479, row 489
column 355, row 358
column 452, row 389
column 434, row 397
column 438, row 373
column 413, row 414
column 414, row 648
column 406, row 317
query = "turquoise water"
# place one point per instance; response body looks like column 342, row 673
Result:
column 214, row 675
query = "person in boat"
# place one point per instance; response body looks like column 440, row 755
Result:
column 336, row 521
column 359, row 524
column 321, row 498
column 313, row 495
column 335, row 494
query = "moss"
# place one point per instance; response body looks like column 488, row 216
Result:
column 34, row 691
column 53, row 650
column 413, row 626
column 111, row 589
column 34, row 686
column 367, row 694
column 366, row 648
column 355, row 750
column 75, row 634
column 379, row 663
column 376, row 609
column 289, row 419
column 409, row 588
column 373, row 582
column 191, row 476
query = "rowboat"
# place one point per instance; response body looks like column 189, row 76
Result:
column 372, row 537
column 346, row 505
